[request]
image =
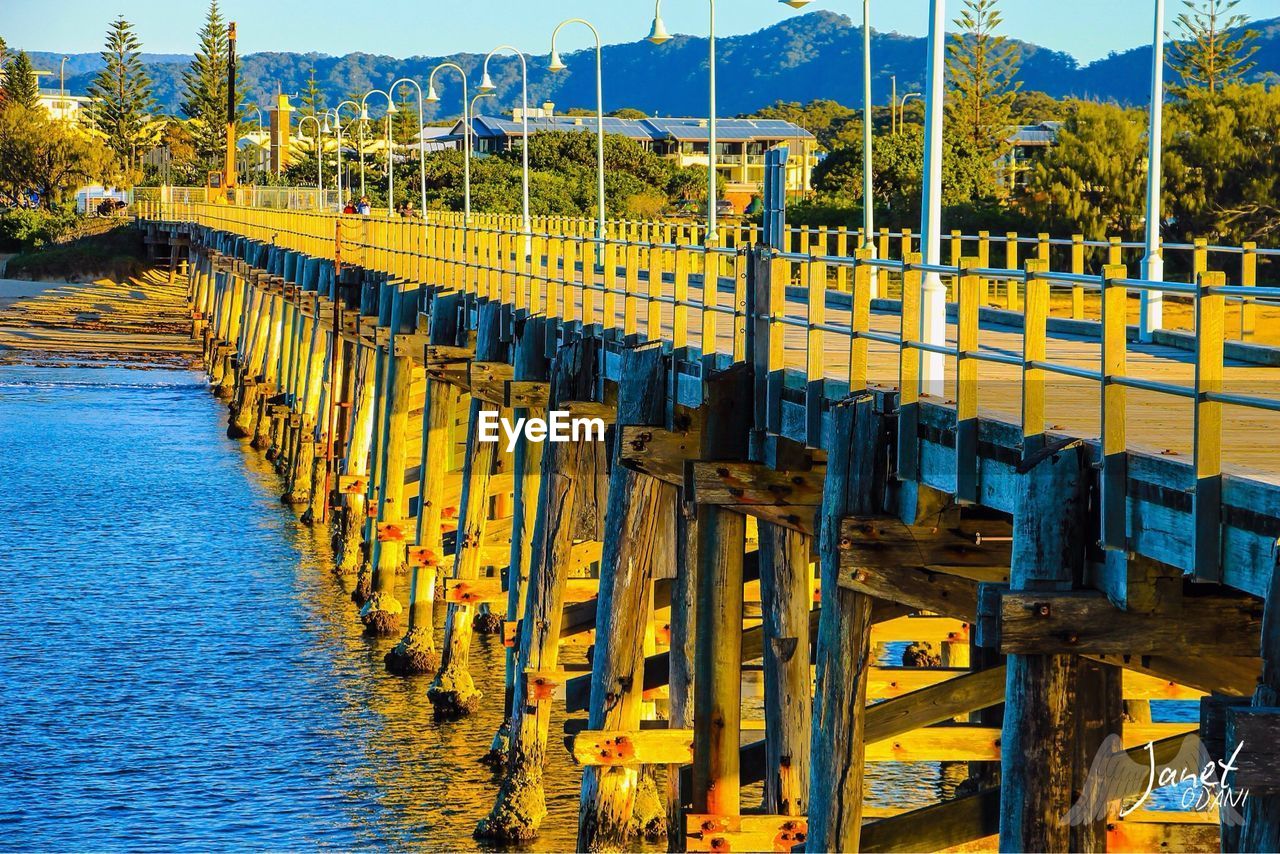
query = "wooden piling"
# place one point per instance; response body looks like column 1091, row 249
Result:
column 453, row 693
column 717, row 687
column 307, row 408
column 1037, row 744
column 530, row 366
column 355, row 467
column 788, row 707
column 638, row 506
column 568, row 474
column 381, row 614
column 855, row 479
column 416, row 653
column 683, row 629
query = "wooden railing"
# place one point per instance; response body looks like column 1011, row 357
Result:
column 1008, row 251
column 653, row 289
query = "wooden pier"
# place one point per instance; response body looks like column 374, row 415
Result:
column 1074, row 525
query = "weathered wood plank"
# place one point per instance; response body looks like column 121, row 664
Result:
column 1086, row 622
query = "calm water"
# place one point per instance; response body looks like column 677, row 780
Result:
column 178, row 667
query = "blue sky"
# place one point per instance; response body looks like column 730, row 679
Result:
column 1087, row 29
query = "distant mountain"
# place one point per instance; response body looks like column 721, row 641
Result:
column 817, row 55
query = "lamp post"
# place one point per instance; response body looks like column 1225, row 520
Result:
column 487, row 85
column 558, row 65
column 1151, row 307
column 319, row 156
column 902, row 108
column 422, row 147
column 893, row 104
column 933, row 309
column 337, row 121
column 391, row 163
column 254, row 107
column 468, row 110
column 868, row 203
column 658, row 35
column 62, row 86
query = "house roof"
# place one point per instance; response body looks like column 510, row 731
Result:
column 1045, row 133
column 678, row 129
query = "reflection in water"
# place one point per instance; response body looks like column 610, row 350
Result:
column 181, row 669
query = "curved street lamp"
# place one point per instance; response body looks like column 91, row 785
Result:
column 487, row 85
column 433, row 97
column 902, row 107
column 422, row 143
column 558, row 65
column 658, row 35
column 337, row 120
column 319, row 154
column 391, row 163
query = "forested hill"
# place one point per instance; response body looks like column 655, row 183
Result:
column 810, row 56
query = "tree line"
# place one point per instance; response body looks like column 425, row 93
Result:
column 1221, row 154
column 1221, row 144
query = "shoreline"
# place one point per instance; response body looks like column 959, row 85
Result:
column 142, row 323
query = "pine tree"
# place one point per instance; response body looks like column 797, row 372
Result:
column 206, row 88
column 404, row 123
column 1208, row 55
column 981, row 67
column 20, row 86
column 313, row 100
column 121, row 93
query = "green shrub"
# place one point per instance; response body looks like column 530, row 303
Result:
column 23, row 229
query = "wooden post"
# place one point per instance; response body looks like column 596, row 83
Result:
column 321, row 474
column 1248, row 279
column 788, row 707
column 308, row 403
column 1077, row 269
column 453, row 693
column 270, row 373
column 569, row 470
column 246, row 407
column 680, row 664
column 381, row 614
column 855, row 479
column 728, row 410
column 1099, row 713
column 416, row 653
column 356, row 463
column 1037, row 742
column 530, row 365
column 379, row 305
column 1011, row 263
column 639, row 505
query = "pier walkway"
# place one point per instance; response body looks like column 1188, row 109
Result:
column 1077, row 521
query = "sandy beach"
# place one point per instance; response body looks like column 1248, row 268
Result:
column 143, row 321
